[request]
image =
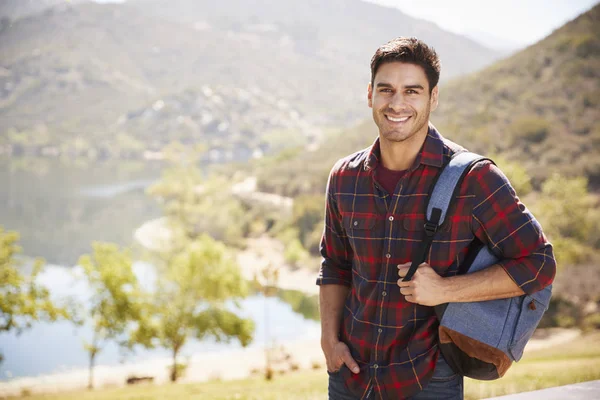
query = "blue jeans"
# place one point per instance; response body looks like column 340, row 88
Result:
column 444, row 385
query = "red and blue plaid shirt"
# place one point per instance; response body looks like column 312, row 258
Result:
column 368, row 232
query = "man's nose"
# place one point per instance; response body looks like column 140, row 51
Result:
column 397, row 102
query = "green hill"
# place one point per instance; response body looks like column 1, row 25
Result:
column 538, row 107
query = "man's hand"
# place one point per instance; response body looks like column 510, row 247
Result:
column 426, row 287
column 338, row 354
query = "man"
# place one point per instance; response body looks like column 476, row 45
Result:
column 379, row 334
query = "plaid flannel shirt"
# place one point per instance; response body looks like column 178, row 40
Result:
column 368, row 233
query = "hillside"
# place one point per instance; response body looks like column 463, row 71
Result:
column 71, row 74
column 14, row 9
column 539, row 107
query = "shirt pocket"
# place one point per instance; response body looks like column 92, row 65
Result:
column 441, row 254
column 365, row 235
column 359, row 226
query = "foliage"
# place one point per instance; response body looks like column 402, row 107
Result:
column 306, row 305
column 115, row 302
column 516, row 174
column 307, row 216
column 569, row 216
column 529, row 129
column 23, row 300
column 194, row 295
column 196, row 205
column 294, row 252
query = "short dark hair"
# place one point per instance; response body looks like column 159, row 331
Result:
column 408, row 50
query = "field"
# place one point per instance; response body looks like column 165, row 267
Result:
column 573, row 362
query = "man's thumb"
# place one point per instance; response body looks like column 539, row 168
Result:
column 350, row 363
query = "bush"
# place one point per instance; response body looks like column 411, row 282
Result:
column 529, row 129
column 295, row 253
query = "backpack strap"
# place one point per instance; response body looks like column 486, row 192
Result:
column 445, row 189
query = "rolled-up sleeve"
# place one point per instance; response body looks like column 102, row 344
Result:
column 336, row 265
column 510, row 230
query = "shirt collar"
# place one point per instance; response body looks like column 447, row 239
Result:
column 432, row 151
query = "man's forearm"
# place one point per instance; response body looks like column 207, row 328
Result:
column 331, row 305
column 487, row 284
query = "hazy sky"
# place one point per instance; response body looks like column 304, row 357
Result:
column 521, row 22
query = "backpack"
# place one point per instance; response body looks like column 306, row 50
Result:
column 479, row 339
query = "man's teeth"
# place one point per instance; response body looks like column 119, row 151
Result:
column 397, row 119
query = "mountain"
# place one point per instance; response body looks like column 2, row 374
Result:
column 70, row 75
column 506, row 46
column 14, row 9
column 538, row 107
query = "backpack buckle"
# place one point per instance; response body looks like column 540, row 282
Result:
column 430, row 228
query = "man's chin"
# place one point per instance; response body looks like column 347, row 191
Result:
column 395, row 136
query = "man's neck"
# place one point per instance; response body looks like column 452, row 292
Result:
column 400, row 156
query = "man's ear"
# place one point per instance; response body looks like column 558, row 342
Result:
column 370, row 95
column 434, row 98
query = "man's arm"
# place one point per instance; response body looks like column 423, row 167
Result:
column 331, row 303
column 501, row 221
column 429, row 289
column 335, row 280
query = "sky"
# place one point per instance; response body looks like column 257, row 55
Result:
column 503, row 24
column 516, row 23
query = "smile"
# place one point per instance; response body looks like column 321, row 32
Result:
column 403, row 119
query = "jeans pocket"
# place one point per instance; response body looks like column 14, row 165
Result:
column 443, row 372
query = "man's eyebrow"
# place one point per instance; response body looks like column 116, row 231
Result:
column 414, row 87
column 389, row 85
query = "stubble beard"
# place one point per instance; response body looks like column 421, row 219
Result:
column 392, row 136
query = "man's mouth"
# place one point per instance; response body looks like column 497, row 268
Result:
column 397, row 119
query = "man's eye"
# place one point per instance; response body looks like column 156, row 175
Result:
column 410, row 91
column 386, row 90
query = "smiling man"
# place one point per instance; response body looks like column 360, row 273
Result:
column 379, row 334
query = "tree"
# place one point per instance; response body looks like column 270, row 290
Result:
column 115, row 302
column 516, row 174
column 569, row 216
column 195, row 292
column 267, row 285
column 23, row 300
column 194, row 204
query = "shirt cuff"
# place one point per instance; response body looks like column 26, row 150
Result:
column 333, row 275
column 532, row 273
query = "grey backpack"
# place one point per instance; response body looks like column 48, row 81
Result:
column 480, row 339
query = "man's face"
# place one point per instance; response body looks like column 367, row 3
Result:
column 401, row 101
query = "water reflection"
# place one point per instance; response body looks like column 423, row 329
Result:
column 58, row 347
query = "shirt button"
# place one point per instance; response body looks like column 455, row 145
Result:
column 391, row 218
column 384, row 293
column 375, row 366
column 379, row 330
column 355, row 223
column 388, row 255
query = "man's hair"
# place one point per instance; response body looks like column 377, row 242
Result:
column 408, row 50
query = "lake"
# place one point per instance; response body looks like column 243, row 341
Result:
column 59, row 209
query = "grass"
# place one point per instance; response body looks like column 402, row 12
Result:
column 574, row 362
column 577, row 361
